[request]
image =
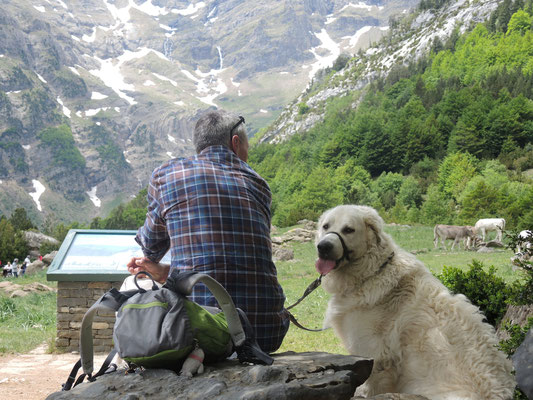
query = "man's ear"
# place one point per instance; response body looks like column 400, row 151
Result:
column 235, row 143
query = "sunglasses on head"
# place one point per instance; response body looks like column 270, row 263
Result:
column 241, row 121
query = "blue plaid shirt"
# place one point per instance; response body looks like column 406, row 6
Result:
column 213, row 211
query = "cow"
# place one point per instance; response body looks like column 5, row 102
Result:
column 525, row 240
column 490, row 224
column 456, row 233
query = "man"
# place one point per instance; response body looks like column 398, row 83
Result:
column 213, row 211
column 25, row 264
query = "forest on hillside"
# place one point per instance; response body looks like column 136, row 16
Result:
column 448, row 139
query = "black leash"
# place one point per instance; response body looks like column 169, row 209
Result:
column 316, row 283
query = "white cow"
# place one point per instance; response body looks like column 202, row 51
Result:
column 490, row 224
column 525, row 239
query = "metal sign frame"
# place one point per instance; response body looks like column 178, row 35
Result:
column 111, row 248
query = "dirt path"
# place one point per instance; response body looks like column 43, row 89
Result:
column 35, row 375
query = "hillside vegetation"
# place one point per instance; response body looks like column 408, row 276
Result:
column 447, row 139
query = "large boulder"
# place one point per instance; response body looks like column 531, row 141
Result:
column 36, row 239
column 35, row 266
column 47, row 259
column 312, row 375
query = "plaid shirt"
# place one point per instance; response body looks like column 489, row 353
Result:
column 213, row 211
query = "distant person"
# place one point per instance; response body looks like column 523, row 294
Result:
column 8, row 270
column 14, row 267
column 212, row 211
column 25, row 265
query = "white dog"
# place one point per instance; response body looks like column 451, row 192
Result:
column 386, row 305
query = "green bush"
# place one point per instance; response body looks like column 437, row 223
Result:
column 517, row 334
column 483, row 288
column 48, row 247
column 60, row 142
column 303, row 108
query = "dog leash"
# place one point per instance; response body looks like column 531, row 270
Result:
column 316, row 283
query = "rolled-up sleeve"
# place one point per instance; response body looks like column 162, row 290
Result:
column 153, row 235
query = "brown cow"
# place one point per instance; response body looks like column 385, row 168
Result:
column 443, row 232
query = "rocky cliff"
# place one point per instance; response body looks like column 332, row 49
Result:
column 410, row 37
column 95, row 93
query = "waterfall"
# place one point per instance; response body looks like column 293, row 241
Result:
column 167, row 48
column 220, row 57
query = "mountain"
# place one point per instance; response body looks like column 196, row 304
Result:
column 95, row 93
column 431, row 126
column 409, row 39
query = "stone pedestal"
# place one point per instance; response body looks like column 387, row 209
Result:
column 73, row 301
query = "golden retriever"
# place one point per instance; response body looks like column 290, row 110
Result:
column 386, row 305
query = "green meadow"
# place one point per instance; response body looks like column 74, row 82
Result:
column 27, row 322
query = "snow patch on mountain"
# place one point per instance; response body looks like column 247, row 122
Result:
column 39, row 190
column 98, row 96
column 323, row 61
column 92, row 196
column 65, row 110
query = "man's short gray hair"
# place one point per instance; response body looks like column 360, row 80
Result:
column 213, row 128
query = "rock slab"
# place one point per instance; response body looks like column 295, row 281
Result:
column 523, row 364
column 302, row 376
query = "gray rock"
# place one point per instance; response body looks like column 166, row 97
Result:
column 523, row 364
column 393, row 396
column 301, row 235
column 494, row 244
column 280, row 253
column 309, row 376
column 36, row 239
column 47, row 259
column 35, row 266
column 19, row 293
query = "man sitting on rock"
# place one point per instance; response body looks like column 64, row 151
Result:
column 213, row 211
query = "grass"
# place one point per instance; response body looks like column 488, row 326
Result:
column 26, row 322
column 29, row 321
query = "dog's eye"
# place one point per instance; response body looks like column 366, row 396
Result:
column 325, row 227
column 348, row 230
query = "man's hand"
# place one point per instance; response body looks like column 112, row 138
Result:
column 158, row 271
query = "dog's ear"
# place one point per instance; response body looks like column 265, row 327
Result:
column 374, row 223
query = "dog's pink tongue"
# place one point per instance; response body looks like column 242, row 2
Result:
column 324, row 266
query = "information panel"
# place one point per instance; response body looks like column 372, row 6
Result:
column 95, row 255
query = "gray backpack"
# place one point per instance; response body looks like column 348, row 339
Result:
column 158, row 328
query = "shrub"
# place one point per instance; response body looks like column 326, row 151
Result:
column 483, row 288
column 303, row 108
column 47, row 248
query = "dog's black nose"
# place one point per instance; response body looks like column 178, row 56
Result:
column 324, row 247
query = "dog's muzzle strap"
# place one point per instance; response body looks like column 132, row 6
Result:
column 345, row 251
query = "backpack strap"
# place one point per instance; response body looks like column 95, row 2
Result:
column 183, row 282
column 73, row 382
column 112, row 300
